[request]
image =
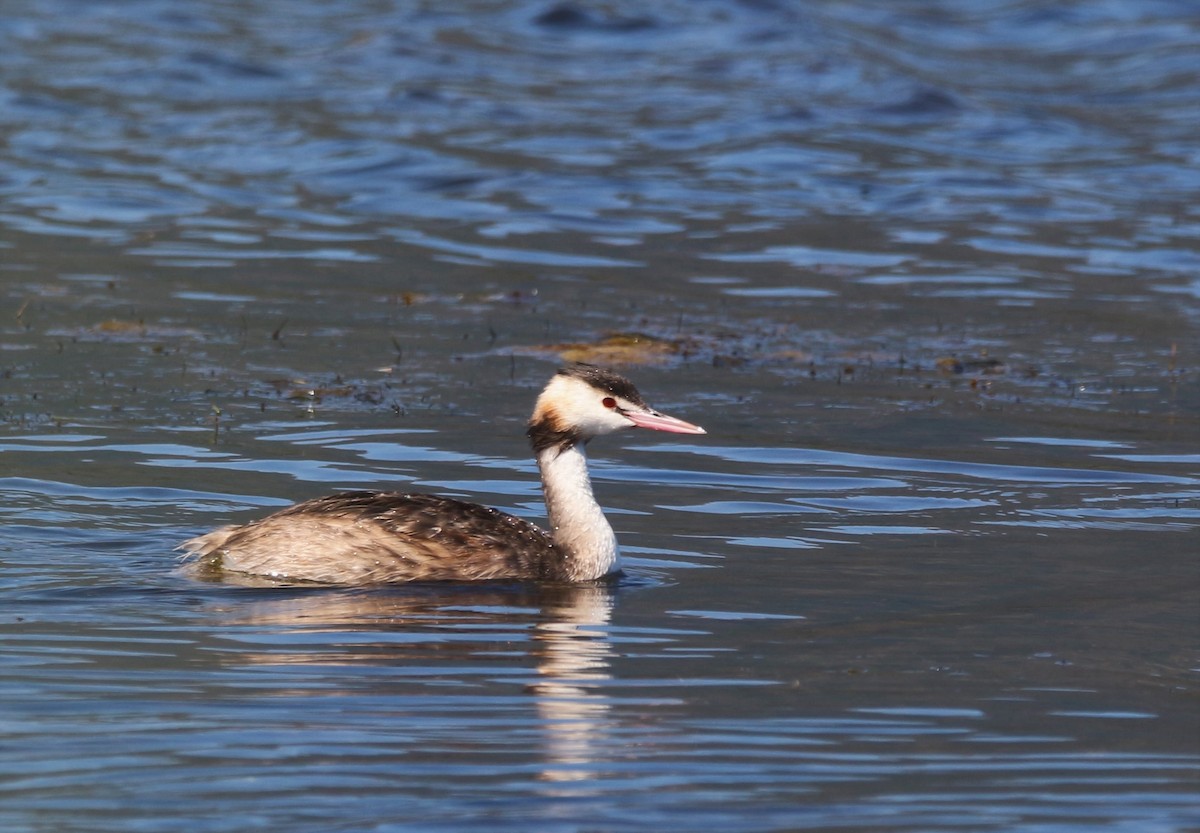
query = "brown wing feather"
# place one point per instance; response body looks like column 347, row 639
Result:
column 375, row 537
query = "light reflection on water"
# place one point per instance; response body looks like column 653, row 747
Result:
column 925, row 270
column 654, row 699
column 538, row 703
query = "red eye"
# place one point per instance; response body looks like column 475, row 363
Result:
column 608, row 402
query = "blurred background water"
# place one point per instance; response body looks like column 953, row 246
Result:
column 929, row 273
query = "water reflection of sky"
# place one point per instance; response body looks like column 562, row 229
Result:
column 926, row 272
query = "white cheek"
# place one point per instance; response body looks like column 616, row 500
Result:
column 607, row 422
column 619, row 422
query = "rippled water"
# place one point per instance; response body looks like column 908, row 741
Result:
column 926, row 271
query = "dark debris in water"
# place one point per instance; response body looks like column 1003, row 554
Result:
column 242, row 360
column 569, row 16
column 361, row 392
column 985, row 366
column 728, row 349
column 127, row 330
column 817, row 357
column 620, row 349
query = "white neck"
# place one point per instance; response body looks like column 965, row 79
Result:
column 577, row 523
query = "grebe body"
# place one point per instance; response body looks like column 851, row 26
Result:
column 356, row 538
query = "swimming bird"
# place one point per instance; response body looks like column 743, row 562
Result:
column 356, row 538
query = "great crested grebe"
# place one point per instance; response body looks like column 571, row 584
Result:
column 382, row 537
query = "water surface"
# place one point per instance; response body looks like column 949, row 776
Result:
column 926, row 271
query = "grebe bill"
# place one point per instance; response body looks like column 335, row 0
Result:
column 389, row 537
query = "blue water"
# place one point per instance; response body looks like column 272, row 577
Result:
column 926, row 271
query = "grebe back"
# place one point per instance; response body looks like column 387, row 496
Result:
column 388, row 537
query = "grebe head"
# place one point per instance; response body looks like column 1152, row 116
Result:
column 583, row 401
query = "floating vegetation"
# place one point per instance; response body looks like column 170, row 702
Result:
column 788, row 353
column 126, row 330
column 303, row 391
column 982, row 366
column 620, row 349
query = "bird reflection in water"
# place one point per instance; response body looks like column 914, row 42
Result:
column 459, row 636
column 573, row 659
